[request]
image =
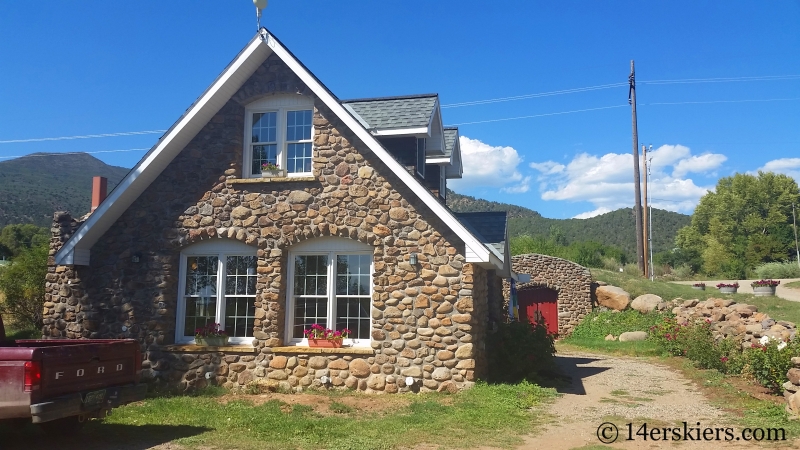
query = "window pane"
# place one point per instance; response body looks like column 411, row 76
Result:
column 298, row 125
column 298, row 158
column 353, row 313
column 352, row 274
column 239, row 315
column 307, row 312
column 265, row 127
column 200, row 311
column 264, row 154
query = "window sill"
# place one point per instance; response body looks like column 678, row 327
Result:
column 210, row 348
column 268, row 180
column 325, row 351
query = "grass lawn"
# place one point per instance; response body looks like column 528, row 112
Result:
column 637, row 348
column 486, row 415
column 793, row 285
column 777, row 308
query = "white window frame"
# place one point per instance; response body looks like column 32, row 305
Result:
column 221, row 248
column 331, row 247
column 421, row 157
column 442, row 183
column 281, row 105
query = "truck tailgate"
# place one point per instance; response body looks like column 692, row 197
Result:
column 84, row 365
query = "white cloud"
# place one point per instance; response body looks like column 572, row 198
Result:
column 698, row 164
column 606, row 181
column 786, row 166
column 597, row 212
column 486, row 165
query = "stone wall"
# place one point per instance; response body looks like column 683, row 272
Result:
column 570, row 280
column 426, row 318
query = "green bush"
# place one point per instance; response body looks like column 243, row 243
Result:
column 696, row 342
column 768, row 364
column 778, row 270
column 22, row 284
column 519, row 351
column 597, row 325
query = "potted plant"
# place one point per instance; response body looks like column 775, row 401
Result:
column 319, row 336
column 212, row 335
column 270, row 170
column 699, row 286
column 765, row 288
column 728, row 288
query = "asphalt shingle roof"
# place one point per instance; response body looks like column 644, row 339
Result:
column 488, row 227
column 394, row 112
column 450, row 135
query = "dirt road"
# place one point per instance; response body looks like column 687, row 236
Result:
column 744, row 287
column 628, row 390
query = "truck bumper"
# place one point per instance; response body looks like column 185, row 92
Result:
column 73, row 404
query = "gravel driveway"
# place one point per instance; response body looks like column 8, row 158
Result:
column 625, row 390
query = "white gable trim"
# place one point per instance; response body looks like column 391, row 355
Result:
column 154, row 162
column 187, row 127
column 475, row 250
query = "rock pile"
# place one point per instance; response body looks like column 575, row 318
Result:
column 791, row 387
column 733, row 320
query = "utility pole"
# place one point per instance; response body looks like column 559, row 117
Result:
column 650, row 218
column 636, row 184
column 645, row 240
column 794, row 223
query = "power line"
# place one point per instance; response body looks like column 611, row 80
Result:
column 723, row 80
column 723, row 101
column 538, row 115
column 85, row 136
column 78, row 153
column 541, row 94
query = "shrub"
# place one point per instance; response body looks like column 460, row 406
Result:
column 697, row 342
column 22, row 284
column 597, row 325
column 519, row 351
column 665, row 335
column 769, row 363
column 778, row 270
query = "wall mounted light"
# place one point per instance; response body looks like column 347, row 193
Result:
column 412, row 259
column 136, row 257
column 409, row 381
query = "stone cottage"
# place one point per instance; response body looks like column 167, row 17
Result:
column 351, row 231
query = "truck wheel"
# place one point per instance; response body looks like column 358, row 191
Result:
column 63, row 427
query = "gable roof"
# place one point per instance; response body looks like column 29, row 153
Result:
column 491, row 228
column 77, row 249
column 384, row 113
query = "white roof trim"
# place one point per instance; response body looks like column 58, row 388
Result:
column 479, row 252
column 154, row 162
column 201, row 112
column 419, row 132
column 437, row 161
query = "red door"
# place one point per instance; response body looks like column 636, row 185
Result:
column 535, row 303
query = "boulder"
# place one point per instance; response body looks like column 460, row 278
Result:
column 613, row 297
column 611, row 337
column 646, row 303
column 630, row 336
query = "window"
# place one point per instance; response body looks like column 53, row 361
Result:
column 331, row 285
column 421, row 157
column 442, row 182
column 217, row 285
column 278, row 130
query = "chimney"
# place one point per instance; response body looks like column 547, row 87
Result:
column 99, row 191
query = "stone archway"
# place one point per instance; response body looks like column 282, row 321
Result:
column 571, row 281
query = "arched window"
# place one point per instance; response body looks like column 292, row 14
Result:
column 330, row 283
column 217, row 285
column 279, row 130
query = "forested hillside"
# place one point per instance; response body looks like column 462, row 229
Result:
column 615, row 228
column 35, row 186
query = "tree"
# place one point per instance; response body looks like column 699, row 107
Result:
column 15, row 238
column 22, row 284
column 746, row 221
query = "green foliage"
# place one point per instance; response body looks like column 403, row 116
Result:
column 519, row 351
column 614, row 229
column 15, row 238
column 587, row 254
column 745, row 222
column 696, row 341
column 33, row 187
column 777, row 270
column 768, row 364
column 679, row 257
column 22, row 285
column 598, row 324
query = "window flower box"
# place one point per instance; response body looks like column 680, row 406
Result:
column 277, row 173
column 212, row 341
column 325, row 343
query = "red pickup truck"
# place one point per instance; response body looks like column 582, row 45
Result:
column 62, row 383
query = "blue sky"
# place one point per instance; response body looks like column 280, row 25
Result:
column 85, row 68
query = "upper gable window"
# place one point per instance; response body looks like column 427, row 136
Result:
column 421, row 157
column 279, row 130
